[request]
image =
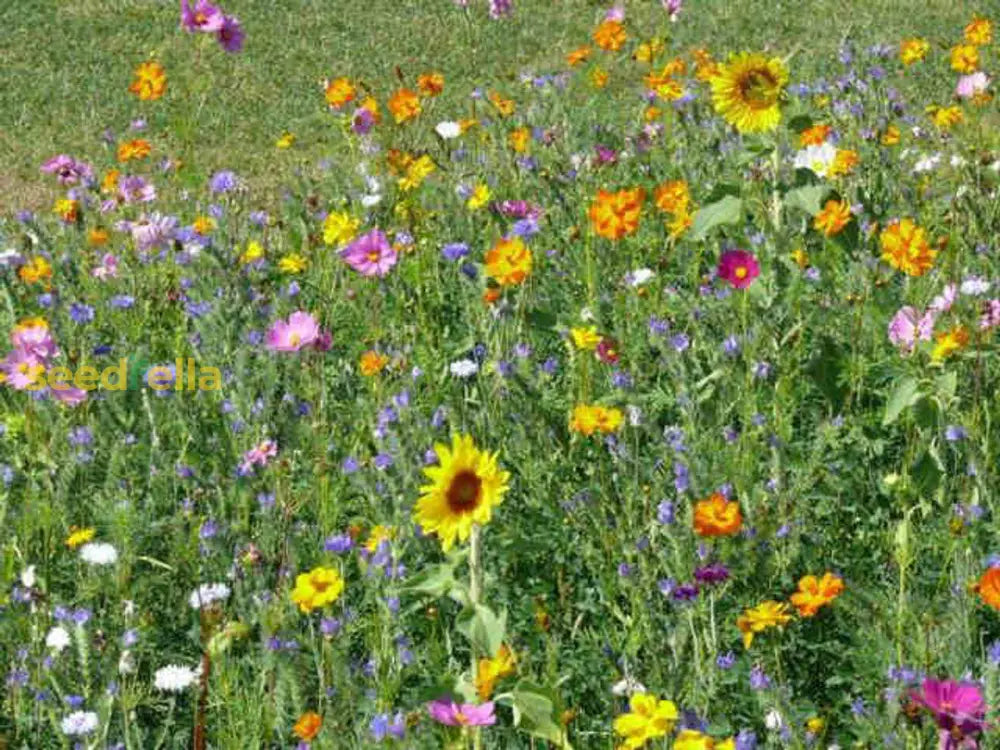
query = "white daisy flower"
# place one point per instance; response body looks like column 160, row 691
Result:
column 98, row 553
column 448, row 129
column 639, row 276
column 817, row 159
column 207, row 594
column 628, row 686
column 464, row 368
column 28, row 577
column 57, row 639
column 174, row 678
column 79, row 723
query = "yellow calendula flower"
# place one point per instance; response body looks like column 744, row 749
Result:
column 648, row 51
column 36, row 269
column 339, row 228
column 98, row 237
column 293, row 263
column 150, row 81
column 800, row 257
column 285, row 140
column 254, row 252
column 339, row 92
column 137, row 148
column 378, row 535
column 430, row 84
column 506, row 107
column 647, row 719
column 891, row 136
column 577, row 56
column 109, row 183
column 844, row 162
column 66, row 209
column 79, row 536
column 747, row 91
column 317, row 588
column 590, row 418
column 599, row 78
column 404, row 105
column 945, row 118
column 964, row 58
column 203, row 225
column 769, row 614
column 372, row 363
column 490, row 671
column 465, row 487
column 979, row 31
column 913, row 50
column 519, row 139
column 672, row 197
column 692, row 739
column 416, row 172
column 681, row 222
column 479, row 198
column 585, row 339
column 610, row 35
column 509, row 261
column 949, row 342
column 833, row 217
column 905, row 248
column 815, row 725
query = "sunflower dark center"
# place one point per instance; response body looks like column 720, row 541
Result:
column 759, row 89
column 463, row 493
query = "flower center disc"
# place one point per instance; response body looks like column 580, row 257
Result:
column 463, row 494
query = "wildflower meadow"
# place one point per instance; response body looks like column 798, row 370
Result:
column 499, row 374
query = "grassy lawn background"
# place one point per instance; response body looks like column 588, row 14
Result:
column 67, row 66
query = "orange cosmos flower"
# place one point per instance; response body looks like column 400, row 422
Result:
column 945, row 118
column 372, row 363
column 964, row 58
column 844, row 162
column 913, row 50
column 599, row 78
column 109, row 183
column 67, row 209
column 979, row 31
column 588, row 419
column 949, row 342
column 833, row 218
column 97, row 237
column 519, row 139
column 615, row 215
column 339, row 92
column 506, row 107
column 672, row 197
column 404, row 105
column 610, row 36
column 816, row 592
column 137, row 148
column 577, row 56
column 663, row 84
column 716, row 516
column 508, row 262
column 905, row 248
column 430, row 84
column 150, row 81
column 36, row 269
column 988, row 587
column 815, row 136
column 705, row 68
column 891, row 136
column 308, row 726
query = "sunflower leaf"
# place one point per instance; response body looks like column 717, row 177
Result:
column 534, row 713
column 484, row 629
column 808, row 198
column 728, row 210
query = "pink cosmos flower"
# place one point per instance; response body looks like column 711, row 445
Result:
column 944, row 301
column 202, row 17
column 135, row 189
column 35, row 341
column 231, row 34
column 991, row 315
column 71, row 395
column 21, row 370
column 371, row 254
column 108, row 268
column 971, row 85
column 615, row 13
column 739, row 268
column 958, row 708
column 299, row 331
column 908, row 326
column 259, row 455
column 67, row 169
column 673, row 8
column 446, row 711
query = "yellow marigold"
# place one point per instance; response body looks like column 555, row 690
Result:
column 339, row 92
column 647, row 719
column 599, row 78
column 372, row 363
column 615, row 215
column 652, row 114
column 964, row 58
column 98, row 237
column 430, row 84
column 404, row 105
column 769, row 614
column 254, row 252
column 317, row 588
column 747, row 91
column 150, row 81
column 417, row 171
column 66, row 209
column 692, row 739
column 905, row 248
column 137, row 148
column 79, row 536
column 705, row 68
column 814, row 593
column 109, row 183
column 979, row 31
column 285, row 140
column 945, row 118
column 648, row 51
column 717, row 516
column 815, row 135
column 800, row 257
column 891, row 136
column 203, row 225
column 590, row 418
column 988, row 587
column 36, row 269
column 339, row 228
column 664, row 85
column 610, row 35
column 508, row 262
column 672, row 197
column 490, row 671
column 308, row 726
column 681, row 222
column 913, row 50
column 480, row 197
column 506, row 107
column 815, row 725
column 585, row 338
column 844, row 162
column 949, row 342
column 293, row 263
column 833, row 217
column 577, row 56
column 519, row 139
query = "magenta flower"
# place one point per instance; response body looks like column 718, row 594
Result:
column 299, row 331
column 370, row 254
column 259, row 455
column 958, row 708
column 739, row 268
column 67, row 169
column 203, row 16
column 908, row 326
column 446, row 711
column 231, row 34
column 363, row 121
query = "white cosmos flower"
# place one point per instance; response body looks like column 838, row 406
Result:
column 628, row 686
column 974, row 286
column 174, row 678
column 98, row 553
column 817, row 159
column 448, row 129
column 126, row 663
column 638, row 277
column 773, row 720
column 464, row 368
column 28, row 577
column 79, row 723
column 57, row 639
column 208, row 593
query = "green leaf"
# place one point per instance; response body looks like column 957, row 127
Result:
column 728, row 210
column 808, row 198
column 534, row 713
column 436, row 581
column 799, row 123
column 484, row 629
column 905, row 395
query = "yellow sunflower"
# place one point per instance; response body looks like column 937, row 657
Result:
column 747, row 91
column 465, row 486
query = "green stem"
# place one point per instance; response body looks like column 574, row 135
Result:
column 475, row 591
